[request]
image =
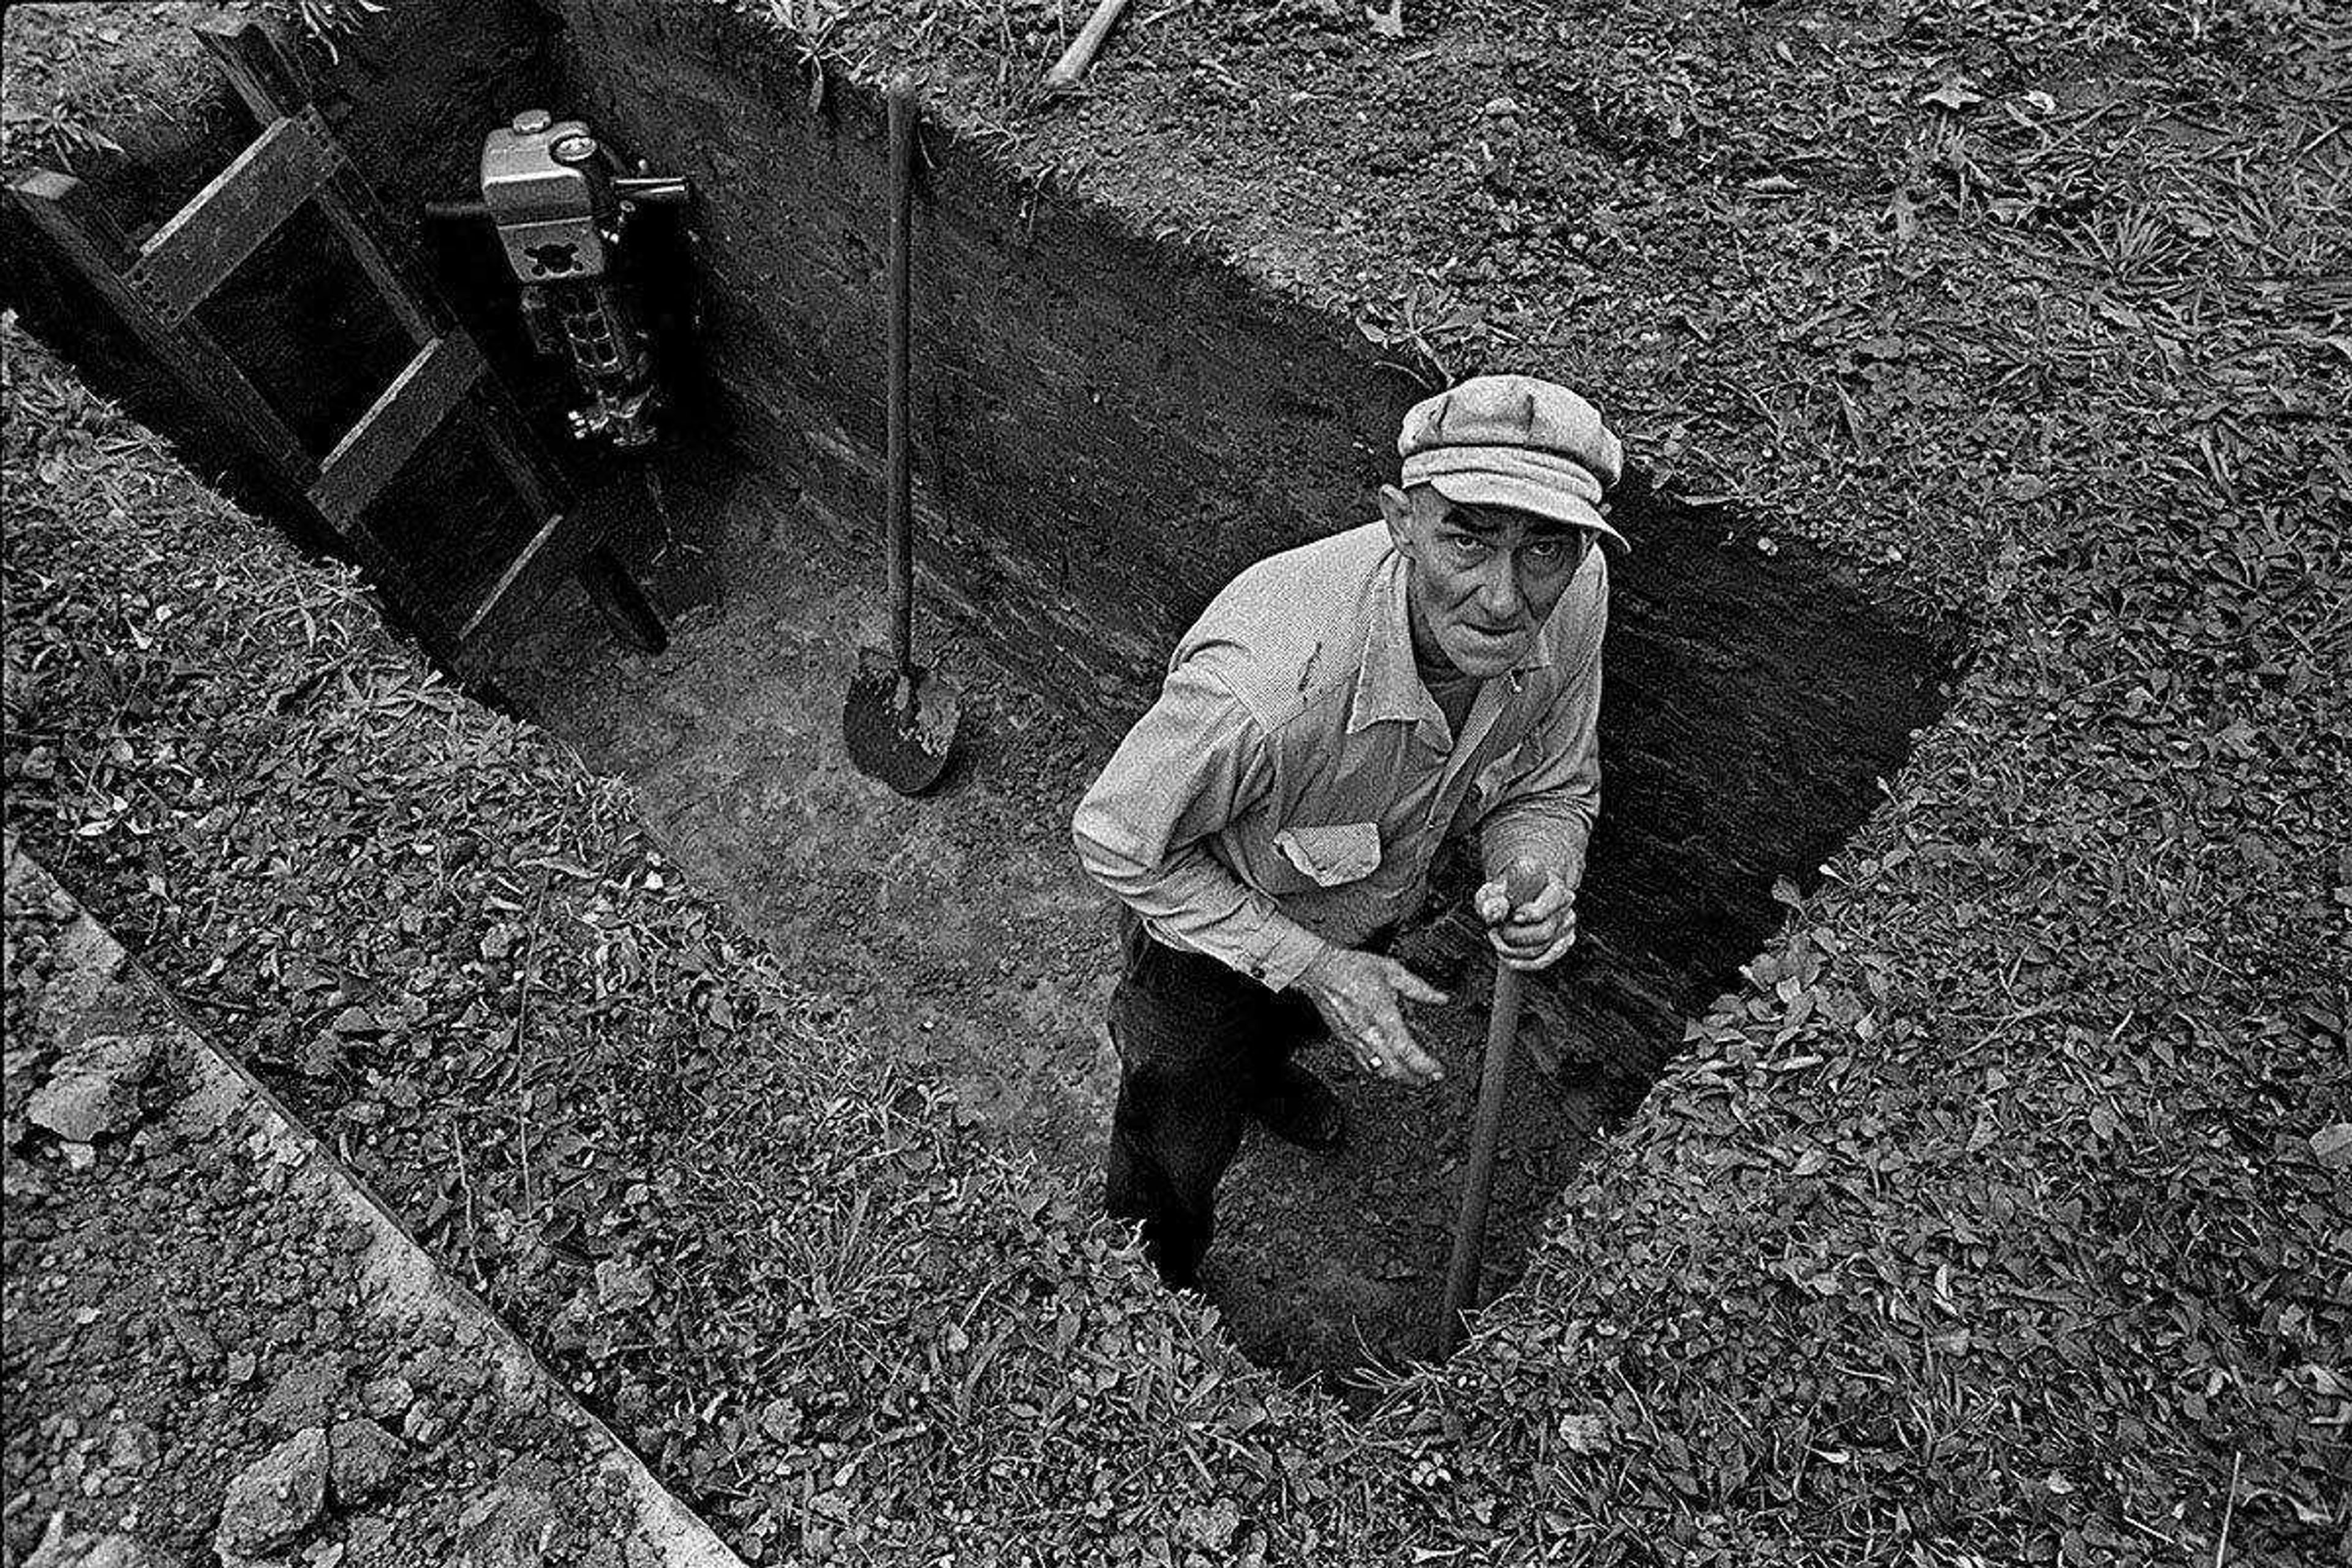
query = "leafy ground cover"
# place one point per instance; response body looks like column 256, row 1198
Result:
column 80, row 77
column 2001, row 1217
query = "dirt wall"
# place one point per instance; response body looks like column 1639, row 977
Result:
column 1105, row 428
column 1108, row 425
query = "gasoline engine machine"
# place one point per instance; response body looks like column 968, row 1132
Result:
column 565, row 206
column 567, row 211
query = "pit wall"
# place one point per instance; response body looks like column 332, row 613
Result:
column 1107, row 428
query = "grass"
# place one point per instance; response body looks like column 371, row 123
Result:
column 82, row 76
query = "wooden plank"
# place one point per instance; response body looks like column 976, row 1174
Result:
column 193, row 255
column 84, row 234
column 554, row 552
column 408, row 411
column 268, row 78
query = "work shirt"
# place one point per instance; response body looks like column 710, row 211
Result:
column 1290, row 788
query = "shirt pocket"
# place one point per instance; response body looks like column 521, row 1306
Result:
column 1333, row 855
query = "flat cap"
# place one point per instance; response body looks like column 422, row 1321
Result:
column 1514, row 441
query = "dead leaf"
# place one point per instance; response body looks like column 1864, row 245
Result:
column 1584, row 1434
column 1905, row 215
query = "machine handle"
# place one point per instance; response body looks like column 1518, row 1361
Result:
column 652, row 190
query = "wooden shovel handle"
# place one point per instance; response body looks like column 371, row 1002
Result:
column 1085, row 47
column 1486, row 1133
column 898, row 495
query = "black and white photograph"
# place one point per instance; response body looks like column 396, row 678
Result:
column 1176, row 783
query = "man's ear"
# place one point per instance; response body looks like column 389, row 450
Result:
column 1396, row 509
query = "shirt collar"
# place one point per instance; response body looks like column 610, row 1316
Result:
column 1387, row 684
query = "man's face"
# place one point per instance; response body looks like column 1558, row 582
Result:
column 1484, row 580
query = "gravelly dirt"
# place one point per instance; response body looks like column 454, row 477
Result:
column 178, row 1308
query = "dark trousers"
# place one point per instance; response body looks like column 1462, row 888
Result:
column 1200, row 1045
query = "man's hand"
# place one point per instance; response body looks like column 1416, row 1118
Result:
column 1357, row 994
column 1533, row 934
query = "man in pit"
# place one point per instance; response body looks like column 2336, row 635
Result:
column 1276, row 812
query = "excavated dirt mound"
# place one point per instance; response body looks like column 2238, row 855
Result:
column 218, row 1351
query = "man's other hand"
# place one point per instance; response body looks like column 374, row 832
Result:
column 1357, row 993
column 1532, row 935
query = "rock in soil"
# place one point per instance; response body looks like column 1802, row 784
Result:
column 274, row 1500
column 95, row 1089
column 80, row 1549
column 388, row 1398
column 511, row 1526
column 364, row 1460
column 302, row 1396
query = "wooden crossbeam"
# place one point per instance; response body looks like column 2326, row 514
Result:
column 557, row 551
column 426, row 392
column 189, row 258
column 87, row 237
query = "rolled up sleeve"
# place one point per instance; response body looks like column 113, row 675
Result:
column 1543, row 806
column 1192, row 765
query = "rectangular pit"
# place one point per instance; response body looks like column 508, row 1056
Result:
column 1108, row 425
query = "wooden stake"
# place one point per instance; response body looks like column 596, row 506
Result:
column 1085, row 47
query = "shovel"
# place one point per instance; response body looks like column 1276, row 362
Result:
column 1526, row 885
column 899, row 720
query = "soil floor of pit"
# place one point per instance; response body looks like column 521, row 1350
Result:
column 959, row 928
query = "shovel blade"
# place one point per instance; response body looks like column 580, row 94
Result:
column 900, row 725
